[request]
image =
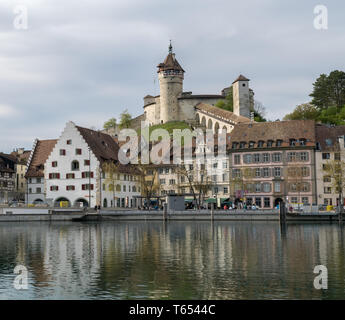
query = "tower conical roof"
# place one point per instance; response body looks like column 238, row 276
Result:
column 170, row 62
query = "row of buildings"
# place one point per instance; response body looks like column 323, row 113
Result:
column 264, row 163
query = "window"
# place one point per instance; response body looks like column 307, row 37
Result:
column 292, row 142
column 69, row 142
column 256, row 158
column 182, row 179
column 87, row 186
column 214, row 178
column 234, row 145
column 237, row 159
column 166, row 170
column 337, row 156
column 124, row 188
column 62, row 152
column 38, row 180
column 327, row 201
column 277, row 187
column 266, row 157
column 172, row 181
column 236, row 173
column 78, row 151
column 251, row 144
column 257, row 173
column 291, row 156
column 266, row 187
column 277, row 172
column 305, row 200
column 293, row 187
column 327, row 190
column 87, row 174
column 260, row 144
column 86, row 162
column 134, row 189
column 54, row 175
column 327, row 179
column 305, row 187
column 38, row 190
column 326, row 156
column 276, row 157
column 215, row 165
column 267, row 202
column 75, row 165
column 190, row 167
column 54, row 188
column 258, row 202
column 70, row 188
column 279, row 143
column 269, row 143
column 30, row 190
column 265, row 172
column 225, row 165
column 303, row 156
column 242, row 145
column 225, row 177
column 294, row 200
column 258, row 187
column 305, row 172
column 54, row 164
column 247, row 158
column 226, row 190
column 162, row 181
column 160, row 170
column 103, row 187
column 325, row 167
column 70, row 176
column 216, row 190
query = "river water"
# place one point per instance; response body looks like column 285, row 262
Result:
column 177, row 260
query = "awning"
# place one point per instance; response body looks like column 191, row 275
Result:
column 210, row 200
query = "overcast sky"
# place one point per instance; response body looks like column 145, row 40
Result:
column 87, row 61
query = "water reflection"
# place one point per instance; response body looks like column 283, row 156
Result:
column 187, row 260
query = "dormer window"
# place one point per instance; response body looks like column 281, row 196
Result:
column 251, row 144
column 260, row 144
column 242, row 145
column 292, row 142
column 279, row 143
column 234, row 145
column 269, row 143
column 302, row 142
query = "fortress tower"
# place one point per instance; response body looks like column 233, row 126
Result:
column 170, row 75
column 241, row 96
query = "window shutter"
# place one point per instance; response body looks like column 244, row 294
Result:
column 50, row 175
column 92, row 187
column 51, row 188
column 58, row 175
column 83, row 174
column 83, row 187
column 91, row 174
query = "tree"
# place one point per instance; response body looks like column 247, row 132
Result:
column 305, row 111
column 336, row 170
column 110, row 124
column 148, row 176
column 110, row 169
column 125, row 120
column 228, row 102
column 259, row 112
column 198, row 181
column 329, row 90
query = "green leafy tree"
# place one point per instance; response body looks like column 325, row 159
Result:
column 228, row 102
column 329, row 90
column 125, row 119
column 110, row 124
column 305, row 111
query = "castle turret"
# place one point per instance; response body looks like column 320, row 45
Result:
column 170, row 75
column 241, row 96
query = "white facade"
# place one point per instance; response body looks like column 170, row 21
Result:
column 241, row 96
column 58, row 166
column 35, row 192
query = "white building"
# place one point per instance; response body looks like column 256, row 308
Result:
column 74, row 175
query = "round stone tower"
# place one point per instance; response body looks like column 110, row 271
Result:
column 170, row 75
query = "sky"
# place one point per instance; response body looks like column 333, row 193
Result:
column 87, row 61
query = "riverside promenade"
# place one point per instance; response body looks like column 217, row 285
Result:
column 77, row 214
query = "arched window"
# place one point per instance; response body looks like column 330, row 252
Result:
column 75, row 165
column 134, row 189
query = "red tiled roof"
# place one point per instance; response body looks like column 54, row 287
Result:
column 102, row 145
column 39, row 157
column 170, row 63
column 278, row 130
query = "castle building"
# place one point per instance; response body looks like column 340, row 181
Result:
column 173, row 104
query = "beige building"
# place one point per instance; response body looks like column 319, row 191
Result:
column 22, row 157
column 330, row 146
